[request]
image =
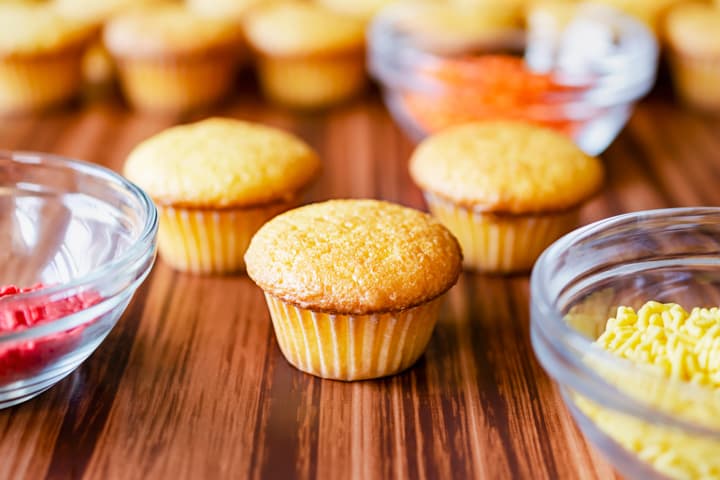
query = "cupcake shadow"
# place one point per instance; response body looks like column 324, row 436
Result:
column 482, row 334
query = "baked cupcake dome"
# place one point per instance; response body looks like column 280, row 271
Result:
column 236, row 9
column 309, row 56
column 505, row 189
column 692, row 33
column 353, row 286
column 98, row 67
column 362, row 9
column 98, row 11
column 649, row 12
column 40, row 57
column 171, row 59
column 465, row 24
column 215, row 183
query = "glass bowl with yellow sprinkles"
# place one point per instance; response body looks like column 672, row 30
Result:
column 625, row 317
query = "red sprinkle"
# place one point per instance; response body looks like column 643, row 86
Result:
column 25, row 358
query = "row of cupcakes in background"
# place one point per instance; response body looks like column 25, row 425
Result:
column 173, row 56
column 344, row 275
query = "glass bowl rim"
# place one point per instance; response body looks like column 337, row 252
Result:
column 551, row 323
column 141, row 247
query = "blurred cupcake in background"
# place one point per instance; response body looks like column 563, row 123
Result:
column 361, row 9
column 99, row 11
column 172, row 60
column 516, row 7
column 465, row 25
column 98, row 67
column 40, row 57
column 308, row 56
column 651, row 12
column 235, row 9
column 693, row 34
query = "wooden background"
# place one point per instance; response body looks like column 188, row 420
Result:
column 191, row 383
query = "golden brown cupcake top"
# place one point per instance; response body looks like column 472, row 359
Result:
column 169, row 30
column 354, row 257
column 39, row 29
column 221, row 162
column 694, row 29
column 236, row 9
column 506, row 167
column 363, row 9
column 300, row 29
column 98, row 10
column 649, row 12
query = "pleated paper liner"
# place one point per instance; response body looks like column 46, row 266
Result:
column 211, row 240
column 498, row 243
column 697, row 80
column 310, row 82
column 352, row 347
column 178, row 84
column 32, row 83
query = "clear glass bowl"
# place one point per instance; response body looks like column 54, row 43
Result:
column 82, row 231
column 648, row 426
column 581, row 78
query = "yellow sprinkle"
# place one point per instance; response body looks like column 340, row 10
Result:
column 680, row 345
column 712, row 332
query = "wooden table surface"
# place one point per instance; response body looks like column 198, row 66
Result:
column 191, row 383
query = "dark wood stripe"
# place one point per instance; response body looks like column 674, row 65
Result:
column 487, row 325
column 413, row 449
column 91, row 402
column 517, row 308
column 282, row 424
column 448, row 375
column 260, row 422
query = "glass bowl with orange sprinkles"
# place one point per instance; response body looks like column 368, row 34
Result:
column 444, row 64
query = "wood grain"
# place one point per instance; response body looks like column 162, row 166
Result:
column 191, row 383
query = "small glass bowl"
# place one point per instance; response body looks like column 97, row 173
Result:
column 648, row 426
column 581, row 78
column 83, row 232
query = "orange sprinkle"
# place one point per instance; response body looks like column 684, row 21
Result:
column 491, row 87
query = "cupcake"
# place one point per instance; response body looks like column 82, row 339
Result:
column 215, row 183
column 361, row 9
column 40, row 57
column 353, row 286
column 693, row 33
column 97, row 64
column 463, row 26
column 236, row 9
column 507, row 190
column 99, row 12
column 171, row 59
column 309, row 56
column 649, row 12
